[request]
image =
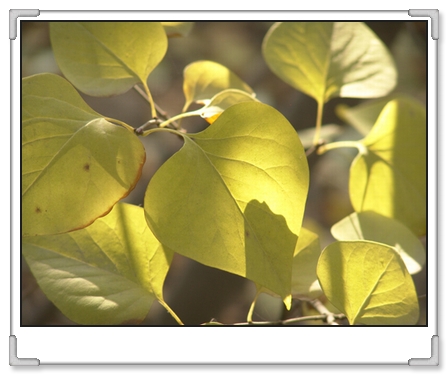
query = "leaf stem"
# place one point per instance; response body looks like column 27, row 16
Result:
column 150, row 100
column 353, row 144
column 172, row 313
column 252, row 306
column 177, row 117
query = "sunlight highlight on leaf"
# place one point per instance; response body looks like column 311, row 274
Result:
column 330, row 59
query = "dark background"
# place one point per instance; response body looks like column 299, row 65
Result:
column 195, row 292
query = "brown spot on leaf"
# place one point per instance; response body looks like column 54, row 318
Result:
column 38, row 210
column 246, row 232
column 86, row 167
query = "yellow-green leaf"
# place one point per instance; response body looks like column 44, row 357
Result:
column 176, row 29
column 204, row 79
column 369, row 283
column 107, row 58
column 372, row 226
column 330, row 59
column 108, row 273
column 389, row 177
column 75, row 164
column 233, row 197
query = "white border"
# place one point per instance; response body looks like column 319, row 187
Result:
column 224, row 345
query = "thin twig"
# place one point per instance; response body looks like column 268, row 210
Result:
column 320, row 307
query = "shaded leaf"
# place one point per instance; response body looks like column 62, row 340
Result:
column 374, row 227
column 369, row 283
column 389, row 177
column 108, row 273
column 330, row 59
column 107, row 58
column 204, row 79
column 233, row 197
column 177, row 29
column 75, row 164
column 304, row 284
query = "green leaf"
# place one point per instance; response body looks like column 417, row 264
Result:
column 389, row 177
column 330, row 59
column 108, row 273
column 204, row 79
column 177, row 29
column 233, row 197
column 75, row 164
column 107, row 58
column 372, row 226
column 369, row 283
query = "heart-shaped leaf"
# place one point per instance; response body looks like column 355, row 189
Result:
column 233, row 197
column 369, row 283
column 107, row 58
column 330, row 59
column 75, row 164
column 389, row 177
column 108, row 273
column 372, row 226
column 204, row 79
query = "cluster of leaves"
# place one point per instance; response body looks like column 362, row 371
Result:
column 233, row 197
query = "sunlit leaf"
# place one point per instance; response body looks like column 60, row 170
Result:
column 389, row 177
column 363, row 116
column 75, row 164
column 330, row 59
column 108, row 273
column 177, row 29
column 369, row 283
column 204, row 79
column 233, row 197
column 107, row 58
column 374, row 227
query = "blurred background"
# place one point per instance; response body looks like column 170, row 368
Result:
column 195, row 292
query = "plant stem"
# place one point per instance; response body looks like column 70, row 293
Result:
column 320, row 110
column 172, row 313
column 252, row 306
column 282, row 322
column 320, row 307
column 150, row 100
column 177, row 117
column 353, row 144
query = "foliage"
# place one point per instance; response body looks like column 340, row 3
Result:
column 234, row 196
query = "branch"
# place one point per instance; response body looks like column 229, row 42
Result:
column 323, row 317
column 329, row 316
